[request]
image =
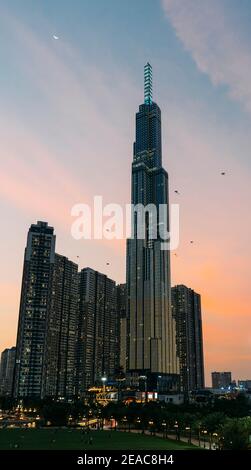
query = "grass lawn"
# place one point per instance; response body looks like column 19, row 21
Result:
column 48, row 439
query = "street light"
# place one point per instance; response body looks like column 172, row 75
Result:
column 124, row 421
column 188, row 428
column 151, row 423
column 215, row 435
column 144, row 377
column 205, row 433
column 104, row 379
column 164, row 429
column 177, row 430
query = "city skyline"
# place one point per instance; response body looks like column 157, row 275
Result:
column 206, row 121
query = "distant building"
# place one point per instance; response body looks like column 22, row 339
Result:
column 7, row 372
column 123, row 325
column 174, row 399
column 61, row 339
column 34, row 310
column 203, row 396
column 244, row 384
column 97, row 352
column 186, row 307
column 221, row 379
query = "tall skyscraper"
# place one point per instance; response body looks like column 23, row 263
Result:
column 97, row 354
column 221, row 379
column 123, row 325
column 34, row 310
column 186, row 306
column 152, row 327
column 61, row 338
column 7, row 365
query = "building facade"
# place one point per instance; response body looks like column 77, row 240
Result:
column 7, row 366
column 244, row 384
column 61, row 338
column 47, row 330
column 221, row 379
column 97, row 352
column 152, row 350
column 123, row 324
column 186, row 305
column 38, row 267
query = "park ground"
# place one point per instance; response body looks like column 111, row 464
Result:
column 59, row 439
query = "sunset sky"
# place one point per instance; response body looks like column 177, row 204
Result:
column 67, row 119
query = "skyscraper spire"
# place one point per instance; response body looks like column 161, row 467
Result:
column 148, row 86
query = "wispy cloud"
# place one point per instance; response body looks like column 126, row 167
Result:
column 218, row 47
column 64, row 137
column 83, row 104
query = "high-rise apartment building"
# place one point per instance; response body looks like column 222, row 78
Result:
column 123, row 325
column 34, row 310
column 152, row 351
column 97, row 354
column 186, row 305
column 48, row 319
column 61, row 338
column 7, row 366
column 221, row 379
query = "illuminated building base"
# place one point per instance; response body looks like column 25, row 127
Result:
column 145, row 381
